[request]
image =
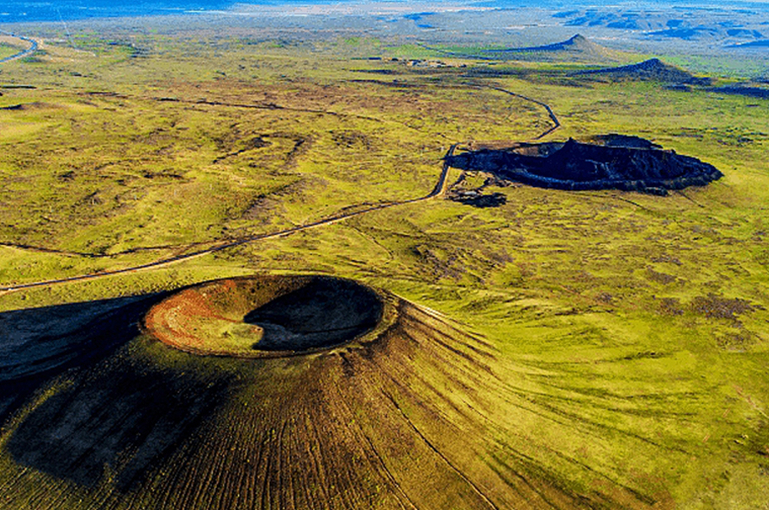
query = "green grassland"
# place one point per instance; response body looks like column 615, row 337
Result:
column 632, row 329
column 7, row 50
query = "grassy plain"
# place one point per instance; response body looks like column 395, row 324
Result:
column 604, row 349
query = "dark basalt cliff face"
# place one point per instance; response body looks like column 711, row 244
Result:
column 575, row 166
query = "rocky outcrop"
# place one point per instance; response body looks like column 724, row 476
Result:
column 575, row 166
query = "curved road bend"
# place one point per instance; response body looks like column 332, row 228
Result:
column 548, row 109
column 24, row 53
column 438, row 190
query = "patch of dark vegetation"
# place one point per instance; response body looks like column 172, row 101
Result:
column 736, row 341
column 257, row 142
column 394, row 83
column 622, row 164
column 758, row 441
column 351, row 139
column 667, row 259
column 680, row 87
column 35, row 105
column 717, row 307
column 652, row 69
column 67, row 176
column 742, row 90
column 478, row 199
column 375, row 71
column 163, row 175
column 659, row 277
column 645, row 355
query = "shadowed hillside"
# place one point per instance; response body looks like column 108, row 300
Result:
column 652, row 69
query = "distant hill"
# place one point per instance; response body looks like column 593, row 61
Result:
column 763, row 43
column 576, row 43
column 652, row 69
column 577, row 48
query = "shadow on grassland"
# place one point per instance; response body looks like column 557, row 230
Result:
column 38, row 344
column 119, row 413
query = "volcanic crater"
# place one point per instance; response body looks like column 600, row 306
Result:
column 266, row 315
column 612, row 161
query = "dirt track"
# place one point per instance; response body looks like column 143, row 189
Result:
column 438, row 190
column 23, row 53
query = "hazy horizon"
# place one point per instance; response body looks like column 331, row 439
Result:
column 16, row 11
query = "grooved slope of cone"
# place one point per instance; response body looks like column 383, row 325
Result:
column 416, row 413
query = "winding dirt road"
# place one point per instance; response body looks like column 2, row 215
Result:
column 23, row 53
column 438, row 190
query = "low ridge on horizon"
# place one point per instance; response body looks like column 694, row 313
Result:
column 576, row 42
column 576, row 47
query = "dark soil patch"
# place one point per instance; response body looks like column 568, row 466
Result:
column 720, row 308
column 743, row 90
column 625, row 164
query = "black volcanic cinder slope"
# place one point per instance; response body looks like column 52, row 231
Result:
column 580, row 166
